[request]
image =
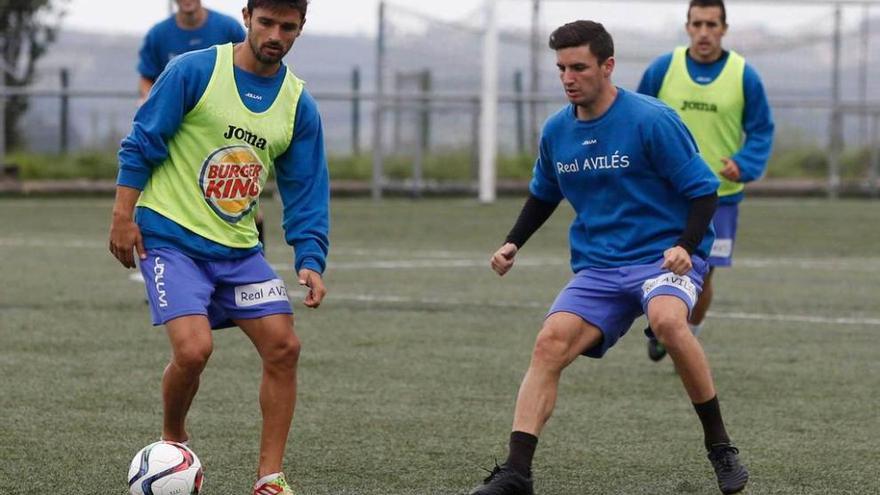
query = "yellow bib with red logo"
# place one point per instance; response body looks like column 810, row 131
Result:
column 220, row 158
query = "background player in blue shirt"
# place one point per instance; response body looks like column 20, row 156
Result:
column 644, row 201
column 192, row 27
column 748, row 134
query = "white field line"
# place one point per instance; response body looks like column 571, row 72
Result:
column 857, row 264
column 33, row 204
column 824, row 320
column 398, row 253
column 866, row 264
column 63, row 243
column 464, row 259
column 428, row 263
column 85, row 243
column 395, row 299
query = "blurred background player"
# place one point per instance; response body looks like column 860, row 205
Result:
column 643, row 200
column 192, row 27
column 722, row 101
column 201, row 148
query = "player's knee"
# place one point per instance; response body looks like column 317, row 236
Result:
column 193, row 358
column 284, row 353
column 670, row 329
column 551, row 348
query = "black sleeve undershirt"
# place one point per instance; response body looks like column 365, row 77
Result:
column 534, row 213
column 702, row 211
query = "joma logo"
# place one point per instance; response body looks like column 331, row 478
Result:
column 246, row 136
column 699, row 106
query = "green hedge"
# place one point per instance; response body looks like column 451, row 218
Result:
column 81, row 165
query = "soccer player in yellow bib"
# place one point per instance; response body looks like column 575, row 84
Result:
column 202, row 145
column 192, row 27
column 721, row 99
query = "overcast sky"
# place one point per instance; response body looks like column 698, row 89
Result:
column 359, row 16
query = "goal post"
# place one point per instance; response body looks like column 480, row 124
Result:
column 489, row 105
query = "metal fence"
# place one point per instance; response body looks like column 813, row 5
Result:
column 814, row 57
column 422, row 100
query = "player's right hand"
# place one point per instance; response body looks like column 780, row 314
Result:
column 502, row 260
column 315, row 284
column 125, row 236
column 677, row 260
column 730, row 170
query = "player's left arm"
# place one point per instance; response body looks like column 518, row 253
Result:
column 149, row 66
column 673, row 151
column 652, row 79
column 677, row 259
column 304, row 185
column 544, row 196
column 750, row 162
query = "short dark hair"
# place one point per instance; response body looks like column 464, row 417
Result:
column 584, row 33
column 709, row 3
column 301, row 5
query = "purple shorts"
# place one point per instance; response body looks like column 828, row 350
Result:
column 612, row 298
column 725, row 220
column 227, row 290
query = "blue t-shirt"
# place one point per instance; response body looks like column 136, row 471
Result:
column 630, row 176
column 301, row 171
column 757, row 118
column 167, row 40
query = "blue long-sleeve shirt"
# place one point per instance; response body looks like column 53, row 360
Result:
column 630, row 175
column 301, row 171
column 167, row 40
column 757, row 119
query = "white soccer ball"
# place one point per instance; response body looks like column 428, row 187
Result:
column 165, row 468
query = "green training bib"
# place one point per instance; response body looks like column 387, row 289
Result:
column 220, row 158
column 712, row 112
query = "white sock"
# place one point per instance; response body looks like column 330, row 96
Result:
column 695, row 329
column 266, row 479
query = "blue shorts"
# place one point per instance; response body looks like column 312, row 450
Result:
column 725, row 220
column 244, row 288
column 612, row 298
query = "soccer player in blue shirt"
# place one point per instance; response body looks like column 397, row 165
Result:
column 721, row 99
column 191, row 171
column 644, row 201
column 192, row 27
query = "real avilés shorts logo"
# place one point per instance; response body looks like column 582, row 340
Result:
column 682, row 283
column 230, row 181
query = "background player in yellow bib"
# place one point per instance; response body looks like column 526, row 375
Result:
column 723, row 103
column 202, row 145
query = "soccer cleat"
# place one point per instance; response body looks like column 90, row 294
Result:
column 656, row 351
column 732, row 476
column 504, row 481
column 273, row 484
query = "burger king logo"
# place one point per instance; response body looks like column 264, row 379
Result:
column 230, row 181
